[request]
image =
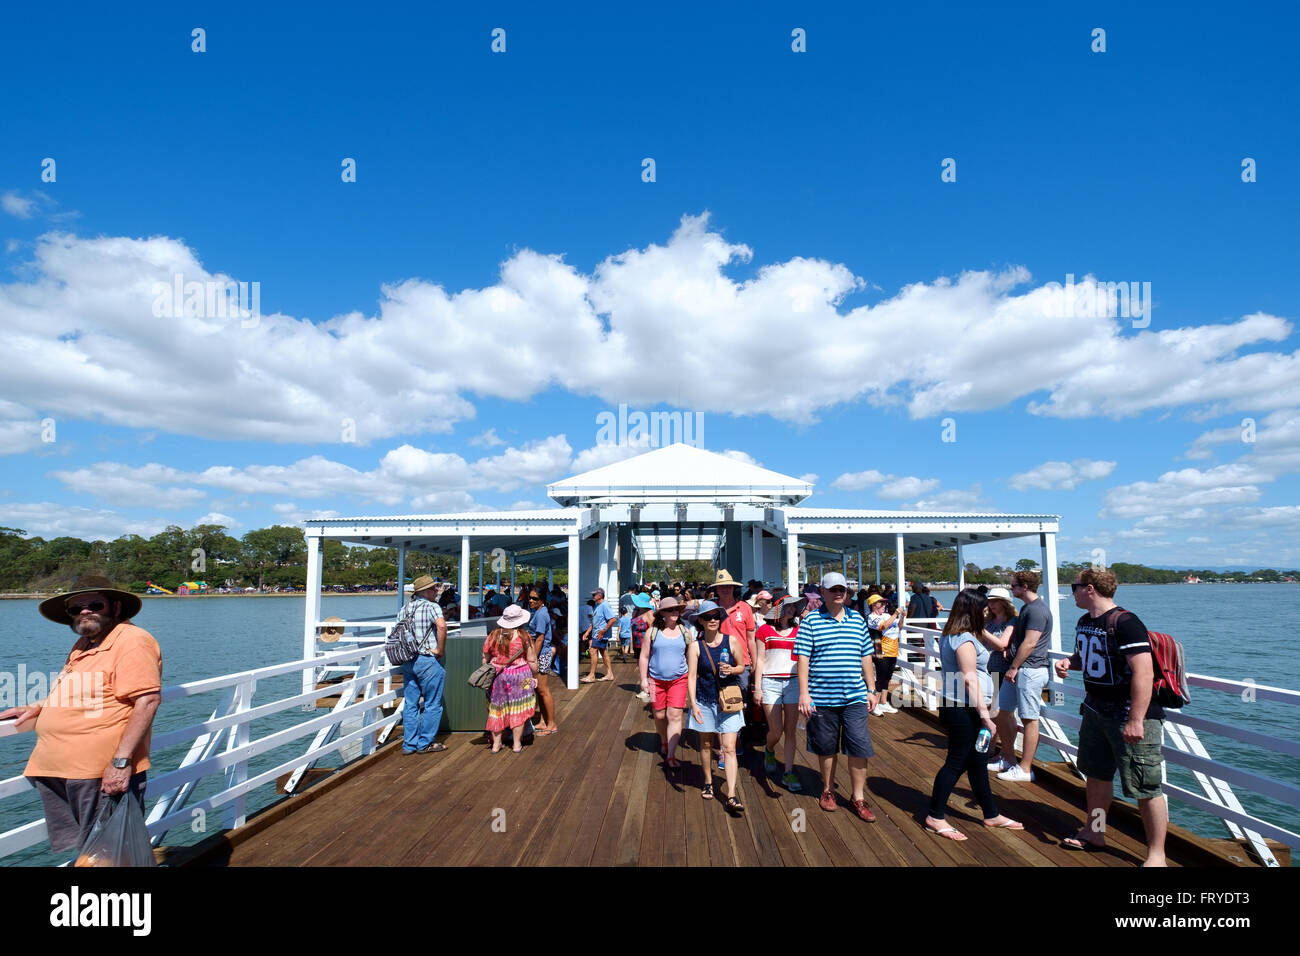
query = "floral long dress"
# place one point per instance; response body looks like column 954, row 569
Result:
column 513, row 699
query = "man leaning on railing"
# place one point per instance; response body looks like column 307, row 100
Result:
column 94, row 728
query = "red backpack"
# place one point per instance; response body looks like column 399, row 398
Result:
column 1170, row 672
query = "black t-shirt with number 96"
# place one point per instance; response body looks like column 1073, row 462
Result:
column 1107, row 675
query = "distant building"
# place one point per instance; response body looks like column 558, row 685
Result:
column 1191, row 579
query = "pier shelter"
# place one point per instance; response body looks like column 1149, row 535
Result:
column 674, row 503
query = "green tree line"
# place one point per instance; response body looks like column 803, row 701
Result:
column 277, row 557
column 274, row 556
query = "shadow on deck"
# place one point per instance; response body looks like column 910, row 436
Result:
column 596, row 794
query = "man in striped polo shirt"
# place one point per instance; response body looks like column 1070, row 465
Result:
column 837, row 689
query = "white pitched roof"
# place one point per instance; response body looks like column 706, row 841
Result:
column 679, row 472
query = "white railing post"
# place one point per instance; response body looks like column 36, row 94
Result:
column 312, row 609
column 204, row 746
column 237, row 738
column 1220, row 791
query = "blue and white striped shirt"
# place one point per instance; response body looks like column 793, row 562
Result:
column 834, row 650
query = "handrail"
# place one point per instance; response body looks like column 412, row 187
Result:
column 230, row 721
column 260, row 674
column 1213, row 775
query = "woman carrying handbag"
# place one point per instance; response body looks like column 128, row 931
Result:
column 512, row 699
column 713, row 686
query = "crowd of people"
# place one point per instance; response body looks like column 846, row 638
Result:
column 716, row 660
column 721, row 659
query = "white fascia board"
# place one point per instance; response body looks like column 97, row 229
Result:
column 951, row 525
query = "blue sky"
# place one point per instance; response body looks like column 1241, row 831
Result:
column 499, row 273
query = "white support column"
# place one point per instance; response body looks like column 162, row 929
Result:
column 463, row 581
column 902, row 581
column 792, row 562
column 401, row 576
column 603, row 560
column 961, row 569
column 571, row 664
column 312, row 612
column 610, row 582
column 1048, row 542
column 1047, row 545
column 756, row 547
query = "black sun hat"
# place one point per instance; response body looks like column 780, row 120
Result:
column 53, row 608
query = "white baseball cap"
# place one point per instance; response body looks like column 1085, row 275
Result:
column 834, row 580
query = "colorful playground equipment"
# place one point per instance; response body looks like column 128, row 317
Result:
column 188, row 587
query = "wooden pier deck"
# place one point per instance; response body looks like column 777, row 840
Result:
column 596, row 794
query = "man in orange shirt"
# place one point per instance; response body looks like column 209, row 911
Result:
column 94, row 728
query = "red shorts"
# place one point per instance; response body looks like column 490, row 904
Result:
column 669, row 693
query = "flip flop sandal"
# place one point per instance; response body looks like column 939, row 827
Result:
column 1080, row 845
column 1009, row 825
column 707, row 791
column 944, row 831
column 734, row 806
column 672, row 763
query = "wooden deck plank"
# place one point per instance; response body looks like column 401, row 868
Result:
column 606, row 850
column 593, row 794
column 528, row 815
column 597, row 794
column 597, row 712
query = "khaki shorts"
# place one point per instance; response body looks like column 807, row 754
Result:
column 1103, row 750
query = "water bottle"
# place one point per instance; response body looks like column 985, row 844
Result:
column 982, row 741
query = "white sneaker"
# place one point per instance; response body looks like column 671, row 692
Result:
column 1016, row 775
column 879, row 711
column 1000, row 765
column 889, row 708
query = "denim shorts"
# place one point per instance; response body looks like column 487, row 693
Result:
column 780, row 690
column 834, row 730
column 716, row 720
column 1025, row 694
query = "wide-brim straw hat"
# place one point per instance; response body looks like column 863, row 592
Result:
column 724, row 579
column 669, row 604
column 53, row 608
column 330, row 635
column 423, row 583
column 513, row 616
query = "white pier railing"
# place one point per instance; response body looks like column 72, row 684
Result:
column 1182, row 746
column 224, row 744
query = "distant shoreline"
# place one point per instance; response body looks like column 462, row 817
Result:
column 37, row 596
column 40, row 596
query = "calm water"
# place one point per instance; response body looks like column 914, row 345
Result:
column 199, row 637
column 1232, row 631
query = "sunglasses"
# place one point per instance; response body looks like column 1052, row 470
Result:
column 1077, row 584
column 94, row 607
column 837, row 590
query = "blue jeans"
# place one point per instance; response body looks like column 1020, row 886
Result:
column 422, row 677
